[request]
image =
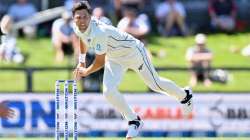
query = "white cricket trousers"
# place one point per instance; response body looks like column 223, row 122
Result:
column 139, row 62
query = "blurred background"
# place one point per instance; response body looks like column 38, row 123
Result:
column 204, row 44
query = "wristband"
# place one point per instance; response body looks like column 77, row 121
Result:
column 82, row 58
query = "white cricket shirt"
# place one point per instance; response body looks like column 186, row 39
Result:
column 108, row 39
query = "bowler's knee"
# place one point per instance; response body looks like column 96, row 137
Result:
column 155, row 86
column 109, row 91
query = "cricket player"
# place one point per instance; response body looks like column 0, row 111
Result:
column 118, row 51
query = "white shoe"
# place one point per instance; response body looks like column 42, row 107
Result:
column 187, row 102
column 134, row 128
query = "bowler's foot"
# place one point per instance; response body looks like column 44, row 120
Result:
column 187, row 102
column 134, row 128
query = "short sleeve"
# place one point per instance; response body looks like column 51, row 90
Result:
column 143, row 22
column 189, row 54
column 56, row 25
column 162, row 10
column 181, row 9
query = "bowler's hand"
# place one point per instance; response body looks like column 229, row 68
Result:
column 80, row 72
column 76, row 71
column 83, row 72
column 6, row 112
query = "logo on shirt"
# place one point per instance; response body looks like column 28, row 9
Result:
column 140, row 67
column 98, row 47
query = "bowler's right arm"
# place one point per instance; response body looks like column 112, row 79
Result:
column 82, row 59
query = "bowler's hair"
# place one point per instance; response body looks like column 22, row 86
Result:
column 81, row 5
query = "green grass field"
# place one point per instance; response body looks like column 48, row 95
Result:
column 134, row 139
column 226, row 49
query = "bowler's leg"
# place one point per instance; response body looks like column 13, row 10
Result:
column 113, row 73
column 149, row 75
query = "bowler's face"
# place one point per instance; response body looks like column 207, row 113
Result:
column 82, row 19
